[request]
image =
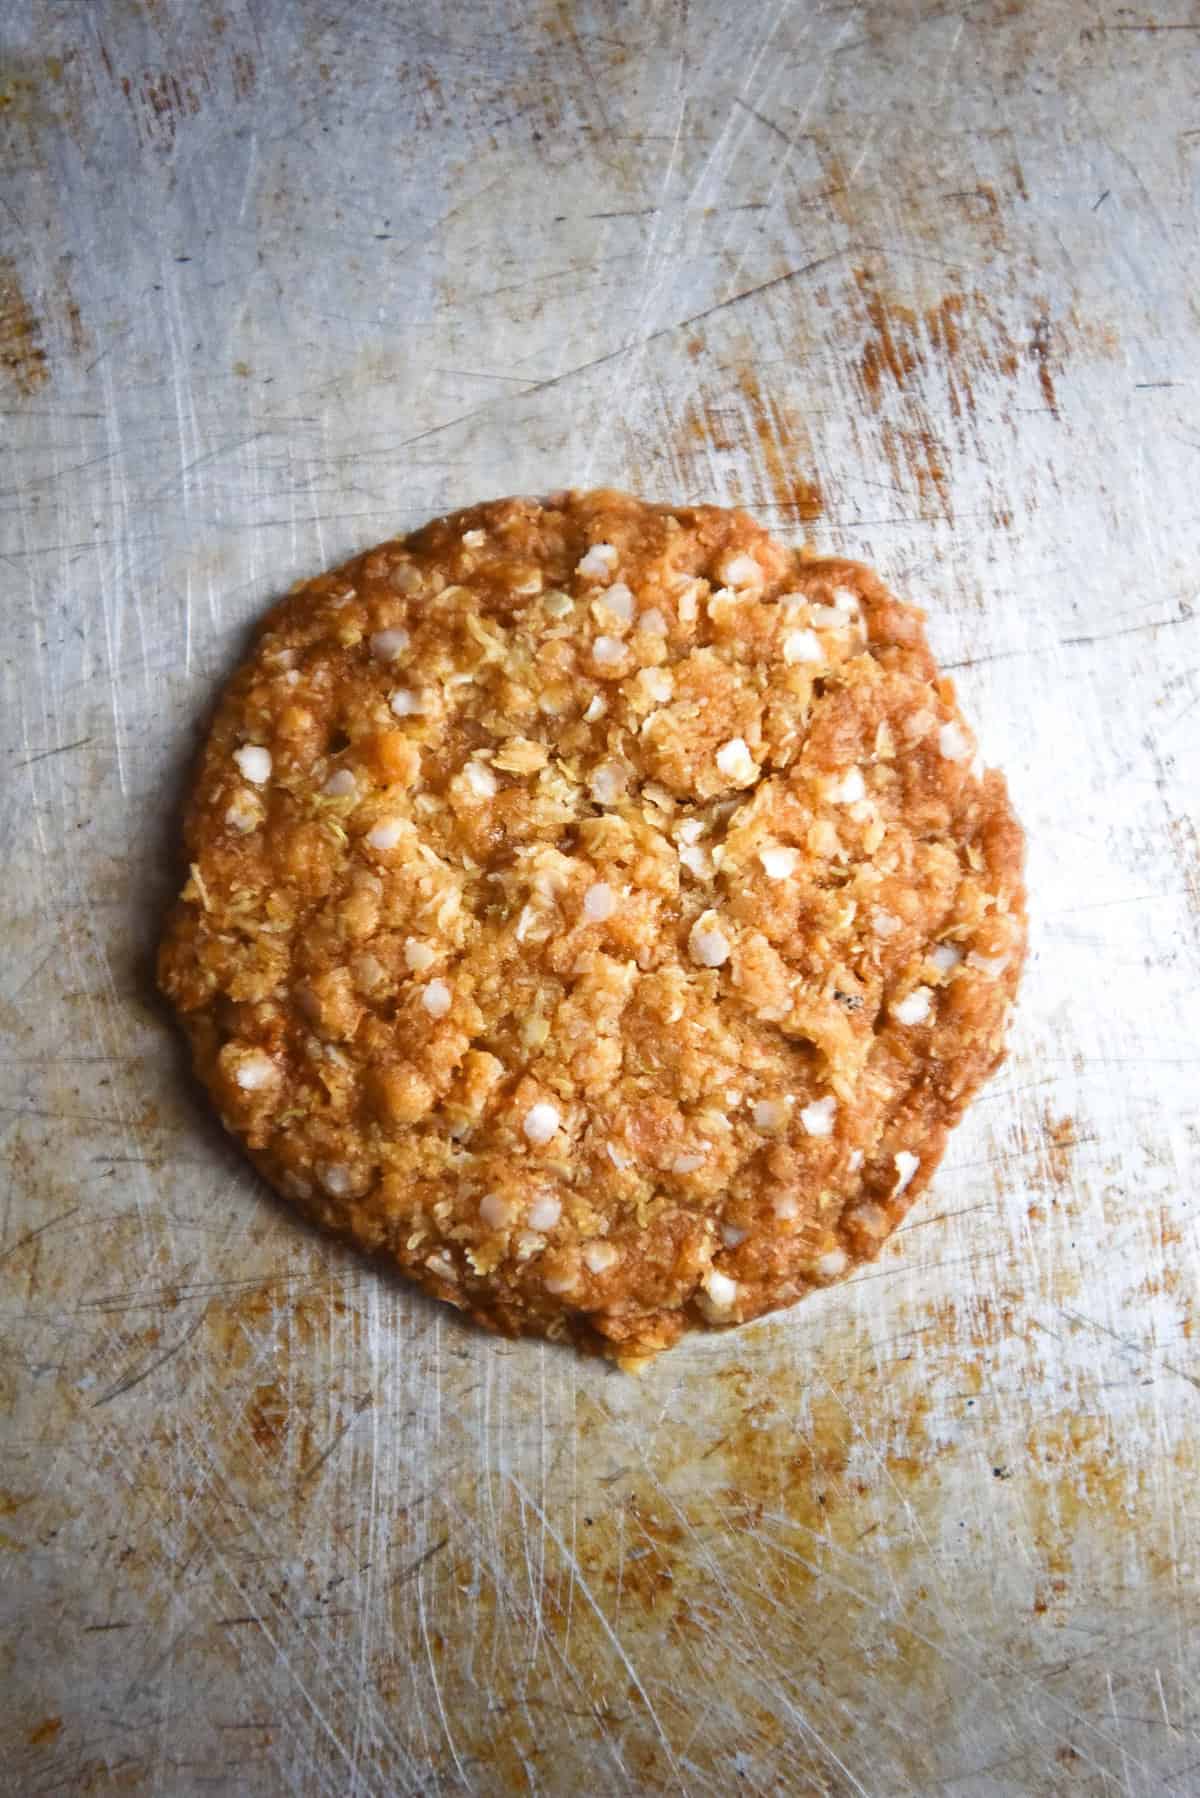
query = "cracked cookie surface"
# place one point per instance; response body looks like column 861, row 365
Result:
column 596, row 908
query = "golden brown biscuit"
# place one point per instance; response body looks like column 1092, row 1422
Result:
column 594, row 907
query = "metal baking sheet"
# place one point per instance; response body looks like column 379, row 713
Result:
column 917, row 278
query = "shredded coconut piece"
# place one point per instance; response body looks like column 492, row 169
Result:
column 991, row 965
column 692, row 829
column 722, row 1291
column 778, row 864
column 599, row 561
column 545, row 1212
column 596, row 708
column 541, row 1122
column 481, row 780
column 736, row 763
column 818, row 1117
column 243, row 812
column 598, row 1257
column 617, row 1156
column 436, row 998
column 854, row 1160
column 387, row 833
column 708, row 944
column 389, row 645
column 954, row 743
column 687, row 1164
column 785, row 1205
column 802, row 646
column 254, row 763
column 340, row 785
column 599, row 902
column 697, row 860
column 914, row 1008
column 906, row 1166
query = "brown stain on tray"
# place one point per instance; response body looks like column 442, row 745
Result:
column 22, row 355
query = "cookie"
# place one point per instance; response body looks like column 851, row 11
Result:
column 597, row 909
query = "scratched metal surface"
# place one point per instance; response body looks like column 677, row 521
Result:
column 278, row 280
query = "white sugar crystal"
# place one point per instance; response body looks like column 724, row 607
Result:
column 688, row 605
column 566, row 1281
column 481, row 780
column 691, row 830
column 687, row 1164
column 741, row 571
column 722, row 1291
column 802, row 646
column 405, row 704
column 828, row 618
column 914, row 1008
column 653, row 621
column 818, row 1117
column 436, row 998
column 846, row 788
column 387, row 833
column 599, row 902
column 736, row 763
column 732, row 1236
column 954, row 743
column 617, row 1155
column 419, row 956
column 708, row 944
column 607, row 783
column 545, row 1212
column 607, row 651
column 541, row 1122
column 778, row 864
column 906, row 1166
column 255, row 1072
column 770, row 1114
column 390, row 645
column 786, row 1205
column 886, row 923
column 854, row 1161
column 991, row 965
column 254, row 763
column 659, row 684
column 495, row 1211
column 474, row 539
column 618, row 599
column 945, row 957
column 831, row 1264
column 599, row 561
column 596, row 709
column 845, row 599
column 340, row 785
column 336, row 1179
column 598, row 1257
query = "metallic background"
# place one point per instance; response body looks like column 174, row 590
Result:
column 919, row 279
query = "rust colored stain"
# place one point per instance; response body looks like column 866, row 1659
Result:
column 45, row 1732
column 1039, row 349
column 21, row 354
column 245, row 74
column 957, row 336
column 267, row 1416
column 782, row 450
column 777, row 443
